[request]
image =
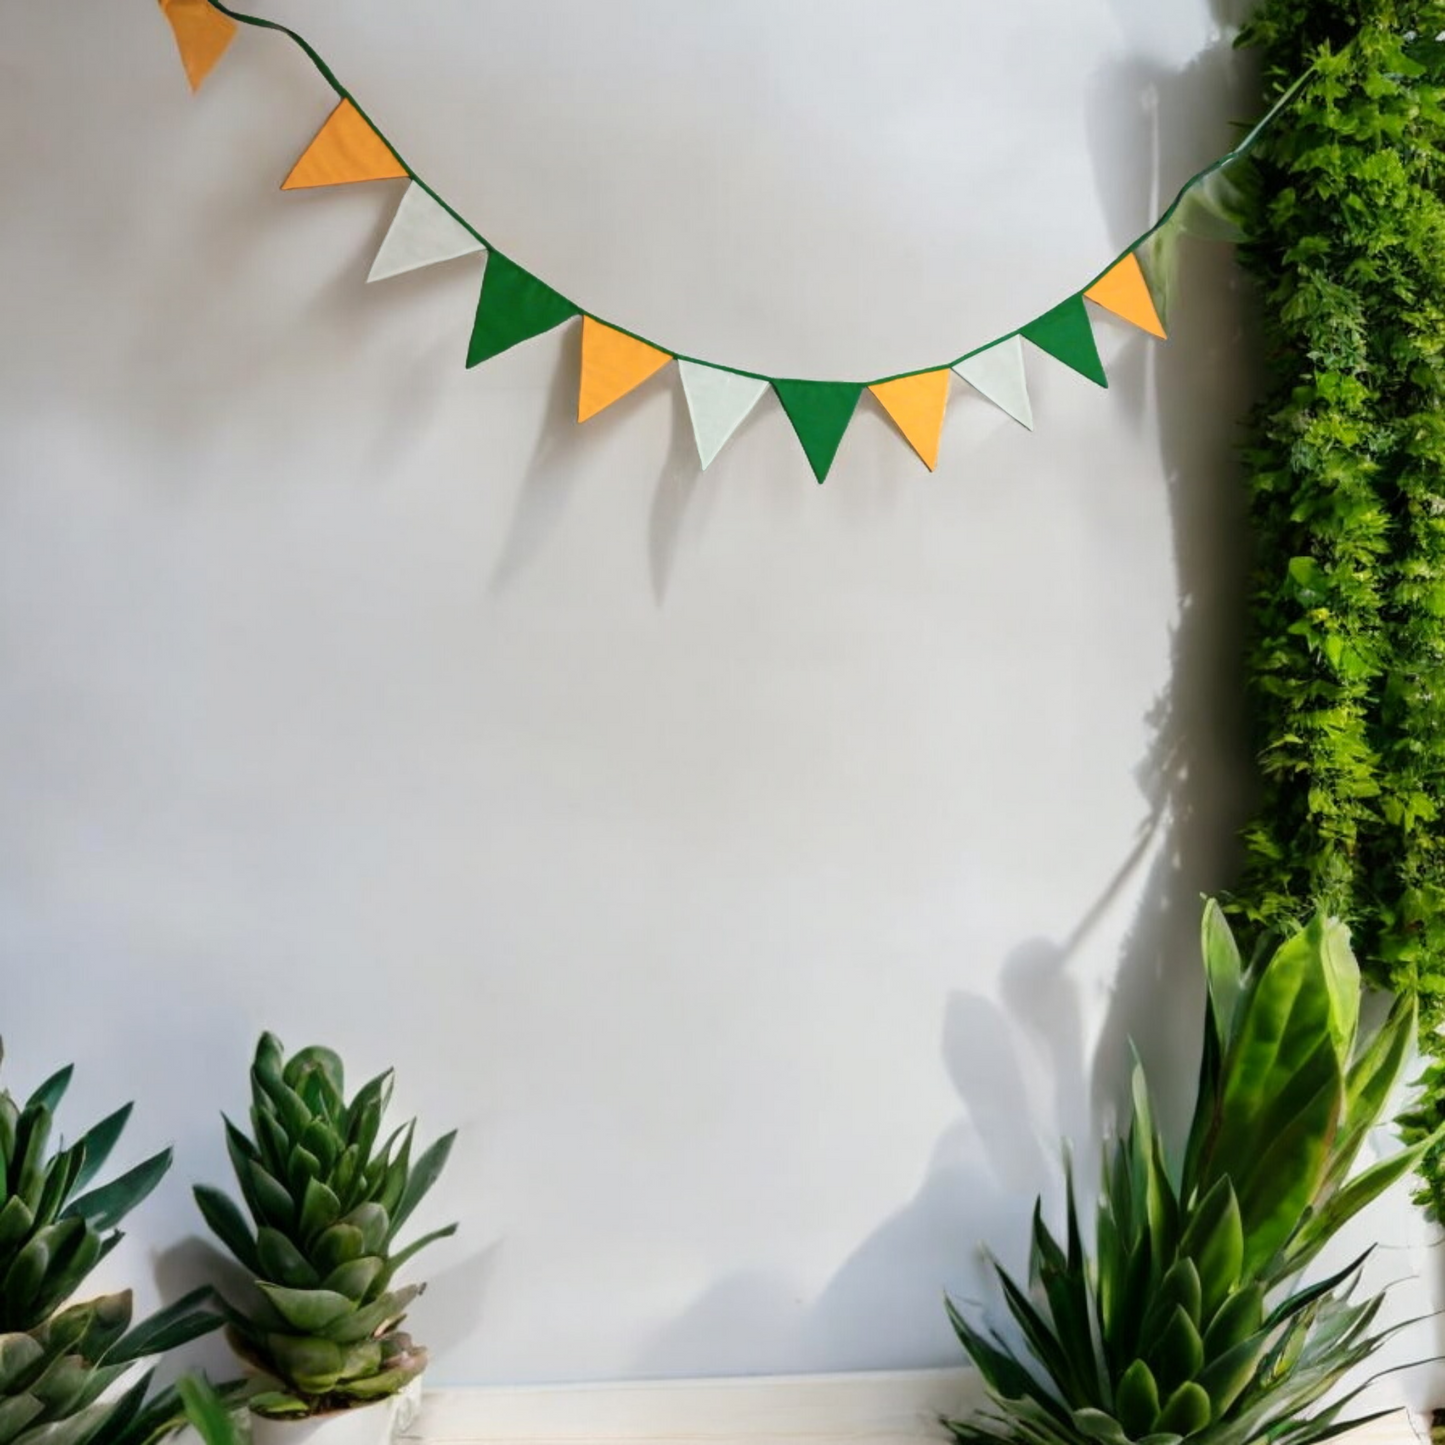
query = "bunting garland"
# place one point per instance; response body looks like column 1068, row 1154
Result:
column 515, row 306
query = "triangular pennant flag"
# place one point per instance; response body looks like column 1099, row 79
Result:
column 718, row 402
column 1125, row 292
column 998, row 374
column 345, row 149
column 917, row 404
column 820, row 412
column 422, row 233
column 613, row 363
column 1067, row 334
column 202, row 35
column 514, row 306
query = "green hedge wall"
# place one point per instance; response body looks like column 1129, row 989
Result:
column 1346, row 241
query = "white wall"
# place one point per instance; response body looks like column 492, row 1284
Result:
column 752, row 870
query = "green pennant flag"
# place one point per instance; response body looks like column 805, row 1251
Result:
column 1067, row 334
column 820, row 412
column 514, row 306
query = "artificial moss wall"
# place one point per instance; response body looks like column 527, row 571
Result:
column 1346, row 241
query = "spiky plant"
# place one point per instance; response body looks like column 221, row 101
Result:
column 1187, row 1322
column 58, row 1365
column 327, row 1204
column 52, row 1378
column 52, row 1235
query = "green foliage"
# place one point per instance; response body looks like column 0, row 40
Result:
column 209, row 1411
column 1346, row 240
column 57, row 1365
column 326, row 1205
column 51, row 1234
column 1186, row 1322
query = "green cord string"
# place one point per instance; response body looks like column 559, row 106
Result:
column 329, row 76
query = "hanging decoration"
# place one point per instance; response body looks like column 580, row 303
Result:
column 514, row 305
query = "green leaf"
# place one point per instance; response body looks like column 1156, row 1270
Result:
column 308, row 1364
column 1004, row 1375
column 1137, row 1399
column 1289, row 1169
column 320, row 1209
column 374, row 1225
column 19, row 1355
column 278, row 1405
column 1223, row 970
column 16, row 1413
column 1186, row 1410
column 365, row 1322
column 190, row 1317
column 447, row 1230
column 52, row 1091
column 71, row 1431
column 1240, row 1316
column 282, row 1263
column 274, row 1204
column 1176, row 1356
column 424, row 1174
column 16, row 1221
column 1095, row 1424
column 206, row 1411
column 1214, row 1240
column 105, row 1207
column 1321, row 1227
column 355, row 1279
column 337, row 1246
column 228, row 1224
column 1342, row 980
column 311, row 1310
column 99, row 1142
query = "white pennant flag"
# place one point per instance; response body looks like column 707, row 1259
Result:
column 998, row 374
column 718, row 402
column 422, row 234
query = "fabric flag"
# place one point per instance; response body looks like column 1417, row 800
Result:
column 718, row 402
column 613, row 363
column 917, row 404
column 820, row 412
column 1125, row 292
column 1067, row 334
column 999, row 375
column 422, row 233
column 345, row 149
column 202, row 35
column 514, row 306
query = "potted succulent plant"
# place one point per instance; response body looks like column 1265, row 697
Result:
column 326, row 1203
column 1186, row 1322
column 62, row 1363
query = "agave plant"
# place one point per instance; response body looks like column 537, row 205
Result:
column 58, row 1366
column 327, row 1204
column 53, row 1378
column 51, row 1235
column 1187, row 1323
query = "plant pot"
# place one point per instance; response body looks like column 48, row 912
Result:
column 376, row 1424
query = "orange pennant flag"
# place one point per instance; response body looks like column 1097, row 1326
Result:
column 345, row 149
column 202, row 35
column 613, row 363
column 917, row 404
column 1125, row 292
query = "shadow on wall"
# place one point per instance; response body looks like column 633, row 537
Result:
column 883, row 1307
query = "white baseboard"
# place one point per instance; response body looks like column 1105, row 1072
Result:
column 886, row 1408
